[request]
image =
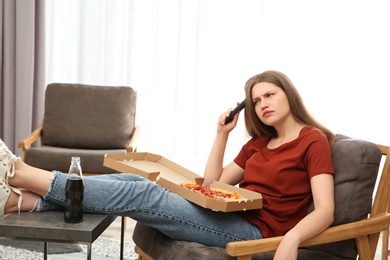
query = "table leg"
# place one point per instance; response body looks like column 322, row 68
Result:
column 45, row 250
column 122, row 236
column 89, row 251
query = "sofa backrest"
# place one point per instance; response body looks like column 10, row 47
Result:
column 88, row 117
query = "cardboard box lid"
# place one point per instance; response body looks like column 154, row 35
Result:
column 150, row 166
column 169, row 174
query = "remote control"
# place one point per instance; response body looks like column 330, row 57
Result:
column 240, row 107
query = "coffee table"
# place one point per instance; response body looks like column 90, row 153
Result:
column 50, row 227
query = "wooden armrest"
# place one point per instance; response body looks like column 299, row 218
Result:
column 26, row 142
column 132, row 146
column 338, row 233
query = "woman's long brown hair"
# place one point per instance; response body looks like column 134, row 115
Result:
column 257, row 128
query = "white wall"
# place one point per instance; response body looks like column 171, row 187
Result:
column 189, row 61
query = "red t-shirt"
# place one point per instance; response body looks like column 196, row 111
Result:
column 282, row 176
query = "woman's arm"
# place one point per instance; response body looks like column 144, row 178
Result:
column 322, row 186
column 214, row 170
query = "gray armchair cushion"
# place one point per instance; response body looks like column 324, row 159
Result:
column 162, row 247
column 88, row 117
column 56, row 158
column 356, row 165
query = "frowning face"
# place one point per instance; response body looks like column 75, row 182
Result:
column 270, row 103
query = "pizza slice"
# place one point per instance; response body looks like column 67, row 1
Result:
column 213, row 193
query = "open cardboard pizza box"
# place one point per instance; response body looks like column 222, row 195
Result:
column 169, row 175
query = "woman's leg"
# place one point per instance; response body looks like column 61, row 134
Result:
column 30, row 178
column 133, row 196
column 33, row 183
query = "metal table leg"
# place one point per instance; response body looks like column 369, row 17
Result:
column 122, row 236
column 89, row 249
column 45, row 250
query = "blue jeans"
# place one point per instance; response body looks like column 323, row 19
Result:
column 144, row 201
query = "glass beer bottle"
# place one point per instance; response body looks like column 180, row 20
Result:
column 74, row 192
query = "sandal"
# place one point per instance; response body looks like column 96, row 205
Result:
column 5, row 191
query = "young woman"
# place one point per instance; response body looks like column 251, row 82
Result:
column 288, row 160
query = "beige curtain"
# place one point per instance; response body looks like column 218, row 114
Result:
column 22, row 68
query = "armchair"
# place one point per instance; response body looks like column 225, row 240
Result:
column 86, row 121
column 352, row 234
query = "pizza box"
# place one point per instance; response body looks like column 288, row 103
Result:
column 169, row 175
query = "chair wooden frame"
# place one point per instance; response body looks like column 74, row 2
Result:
column 365, row 232
column 385, row 241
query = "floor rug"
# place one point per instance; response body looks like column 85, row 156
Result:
column 37, row 246
column 102, row 249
